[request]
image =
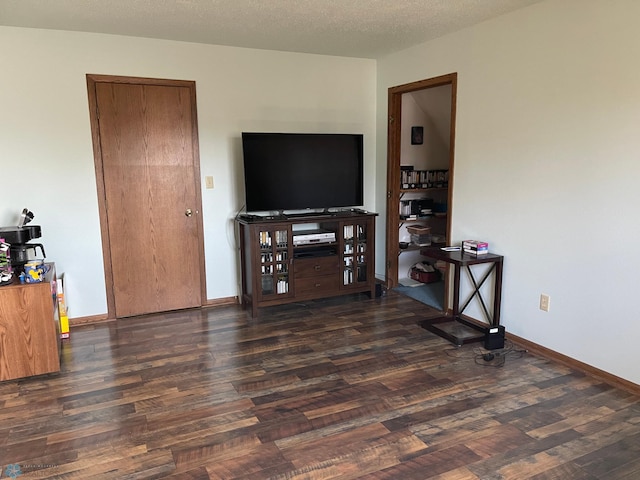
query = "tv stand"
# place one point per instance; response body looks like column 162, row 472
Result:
column 275, row 271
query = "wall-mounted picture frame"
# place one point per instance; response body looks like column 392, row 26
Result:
column 417, row 135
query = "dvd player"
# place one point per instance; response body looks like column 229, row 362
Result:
column 311, row 237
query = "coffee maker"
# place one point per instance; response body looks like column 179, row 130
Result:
column 18, row 239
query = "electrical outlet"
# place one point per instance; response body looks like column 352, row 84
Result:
column 545, row 300
column 208, row 181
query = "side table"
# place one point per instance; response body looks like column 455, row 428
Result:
column 457, row 328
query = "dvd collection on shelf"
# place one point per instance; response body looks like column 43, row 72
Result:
column 359, row 233
column 281, row 239
column 414, row 179
column 360, row 274
column 274, row 263
column 282, row 281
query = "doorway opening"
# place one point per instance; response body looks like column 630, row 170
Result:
column 421, row 140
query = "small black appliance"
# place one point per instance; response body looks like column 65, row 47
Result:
column 18, row 239
column 494, row 338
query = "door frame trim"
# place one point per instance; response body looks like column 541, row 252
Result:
column 393, row 168
column 92, row 80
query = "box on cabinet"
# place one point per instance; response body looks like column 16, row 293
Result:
column 62, row 308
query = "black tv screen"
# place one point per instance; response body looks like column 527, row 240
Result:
column 297, row 171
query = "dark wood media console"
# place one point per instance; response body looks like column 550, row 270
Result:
column 282, row 264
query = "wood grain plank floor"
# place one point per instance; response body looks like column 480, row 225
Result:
column 341, row 388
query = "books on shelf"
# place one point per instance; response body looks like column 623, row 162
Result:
column 410, row 179
column 475, row 247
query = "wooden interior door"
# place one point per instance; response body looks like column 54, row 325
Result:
column 147, row 166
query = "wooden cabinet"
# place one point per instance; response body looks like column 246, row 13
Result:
column 278, row 268
column 29, row 328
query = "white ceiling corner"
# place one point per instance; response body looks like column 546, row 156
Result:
column 352, row 28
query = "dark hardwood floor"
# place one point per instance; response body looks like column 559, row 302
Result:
column 342, row 388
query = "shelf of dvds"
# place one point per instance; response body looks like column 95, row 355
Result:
column 276, row 269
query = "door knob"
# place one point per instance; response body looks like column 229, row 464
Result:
column 188, row 212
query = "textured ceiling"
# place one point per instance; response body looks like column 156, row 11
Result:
column 353, row 28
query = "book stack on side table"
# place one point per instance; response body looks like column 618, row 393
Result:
column 475, row 247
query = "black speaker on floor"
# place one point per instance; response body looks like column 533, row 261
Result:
column 494, row 338
column 379, row 290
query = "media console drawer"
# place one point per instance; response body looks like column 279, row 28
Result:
column 315, row 266
column 309, row 287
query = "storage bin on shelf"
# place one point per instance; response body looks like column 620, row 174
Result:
column 438, row 238
column 424, row 272
column 420, row 235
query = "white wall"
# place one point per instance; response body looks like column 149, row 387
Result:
column 45, row 140
column 431, row 109
column 546, row 166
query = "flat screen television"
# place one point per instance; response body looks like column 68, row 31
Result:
column 299, row 171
